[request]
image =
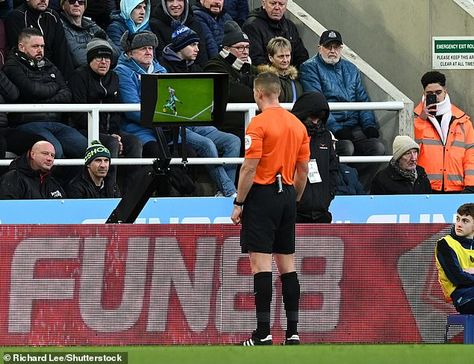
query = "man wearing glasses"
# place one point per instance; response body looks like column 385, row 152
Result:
column 340, row 81
column 37, row 14
column 79, row 30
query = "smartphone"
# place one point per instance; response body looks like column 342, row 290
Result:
column 430, row 100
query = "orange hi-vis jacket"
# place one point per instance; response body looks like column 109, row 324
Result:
column 450, row 167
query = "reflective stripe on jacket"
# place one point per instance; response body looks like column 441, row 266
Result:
column 450, row 167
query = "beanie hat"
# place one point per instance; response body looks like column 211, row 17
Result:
column 99, row 47
column 182, row 37
column 63, row 1
column 402, row 144
column 233, row 34
column 95, row 150
column 133, row 41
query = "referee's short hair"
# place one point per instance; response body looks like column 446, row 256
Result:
column 268, row 83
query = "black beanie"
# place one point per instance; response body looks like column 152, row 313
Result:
column 99, row 47
column 233, row 34
column 182, row 37
column 132, row 41
column 95, row 150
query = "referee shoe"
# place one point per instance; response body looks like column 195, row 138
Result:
column 292, row 340
column 254, row 340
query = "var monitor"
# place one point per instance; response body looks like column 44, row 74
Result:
column 183, row 99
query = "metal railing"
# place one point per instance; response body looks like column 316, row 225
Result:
column 249, row 110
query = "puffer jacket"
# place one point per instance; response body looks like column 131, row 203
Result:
column 82, row 186
column 291, row 87
column 339, row 83
column 39, row 82
column 121, row 21
column 49, row 23
column 212, row 27
column 260, row 29
column 21, row 182
column 78, row 37
column 8, row 94
column 314, row 204
column 161, row 24
column 450, row 167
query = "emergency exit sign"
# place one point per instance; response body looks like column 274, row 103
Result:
column 453, row 52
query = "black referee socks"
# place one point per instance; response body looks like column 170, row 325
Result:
column 262, row 289
column 290, row 288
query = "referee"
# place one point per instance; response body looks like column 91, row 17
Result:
column 272, row 180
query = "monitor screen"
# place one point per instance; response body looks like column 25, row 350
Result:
column 189, row 99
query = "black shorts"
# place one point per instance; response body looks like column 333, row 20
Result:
column 268, row 220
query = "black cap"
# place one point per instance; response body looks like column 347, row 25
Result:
column 330, row 36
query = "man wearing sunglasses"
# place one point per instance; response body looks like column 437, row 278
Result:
column 37, row 14
column 340, row 81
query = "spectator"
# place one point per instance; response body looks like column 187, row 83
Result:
column 79, row 30
column 313, row 111
column 169, row 12
column 234, row 60
column 212, row 17
column 37, row 14
column 94, row 181
column 96, row 83
column 134, row 16
column 267, row 22
column 348, row 181
column 339, row 80
column 207, row 141
column 453, row 255
column 99, row 11
column 12, row 139
column 29, row 176
column 402, row 175
column 39, row 80
column 446, row 138
column 237, row 9
column 279, row 55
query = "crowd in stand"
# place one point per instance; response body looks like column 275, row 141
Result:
column 95, row 51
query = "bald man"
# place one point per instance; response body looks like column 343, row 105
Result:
column 29, row 175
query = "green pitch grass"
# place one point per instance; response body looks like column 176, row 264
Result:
column 318, row 354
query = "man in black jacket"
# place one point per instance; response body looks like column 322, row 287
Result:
column 313, row 110
column 267, row 22
column 37, row 14
column 29, row 176
column 40, row 81
column 94, row 181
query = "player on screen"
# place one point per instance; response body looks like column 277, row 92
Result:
column 171, row 101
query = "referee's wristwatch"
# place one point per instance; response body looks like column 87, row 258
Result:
column 237, row 203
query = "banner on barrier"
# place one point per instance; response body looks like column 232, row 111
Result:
column 189, row 284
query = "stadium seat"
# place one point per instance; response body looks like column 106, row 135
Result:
column 466, row 321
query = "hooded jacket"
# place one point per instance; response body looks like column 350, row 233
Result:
column 260, row 29
column 291, row 87
column 314, row 204
column 340, row 82
column 22, row 182
column 174, row 64
column 161, row 24
column 121, row 21
column 82, row 186
column 49, row 23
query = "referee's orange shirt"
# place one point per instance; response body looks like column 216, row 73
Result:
column 279, row 139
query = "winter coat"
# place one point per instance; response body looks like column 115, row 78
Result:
column 22, row 182
column 82, row 186
column 78, row 37
column 121, row 21
column 348, row 181
column 129, row 73
column 212, row 27
column 39, row 82
column 450, row 166
column 88, row 87
column 260, row 29
column 237, row 9
column 389, row 182
column 174, row 64
column 8, row 93
column 339, row 83
column 49, row 23
column 160, row 24
column 291, row 87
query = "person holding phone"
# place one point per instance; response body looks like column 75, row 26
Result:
column 446, row 137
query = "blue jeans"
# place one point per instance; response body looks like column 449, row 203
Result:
column 67, row 141
column 209, row 142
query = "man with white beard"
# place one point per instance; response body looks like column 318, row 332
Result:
column 339, row 81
